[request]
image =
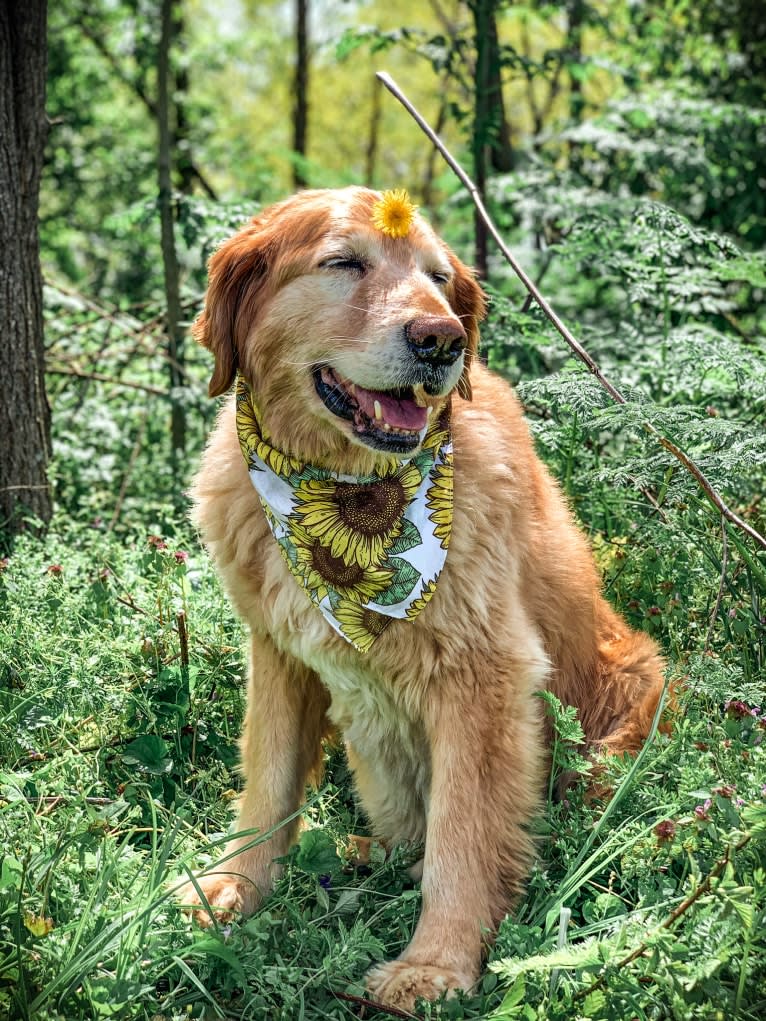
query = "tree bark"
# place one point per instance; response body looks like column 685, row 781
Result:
column 300, row 90
column 576, row 15
column 502, row 155
column 169, row 257
column 480, row 140
column 24, row 412
column 185, row 167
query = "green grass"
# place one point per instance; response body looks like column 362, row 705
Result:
column 117, row 777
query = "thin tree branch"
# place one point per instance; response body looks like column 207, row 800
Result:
column 710, row 492
column 135, row 86
column 101, row 378
column 675, row 914
column 379, row 1007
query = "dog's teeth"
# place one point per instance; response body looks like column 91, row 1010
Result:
column 378, row 412
column 386, row 426
column 429, row 410
column 352, row 388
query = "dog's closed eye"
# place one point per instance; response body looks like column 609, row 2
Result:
column 351, row 263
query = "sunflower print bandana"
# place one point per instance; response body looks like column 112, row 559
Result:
column 368, row 549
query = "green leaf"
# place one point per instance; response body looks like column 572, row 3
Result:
column 574, row 955
column 10, row 872
column 754, row 817
column 317, row 853
column 410, row 537
column 404, row 581
column 209, row 946
column 594, row 1002
column 289, row 550
column 149, row 753
column 512, row 998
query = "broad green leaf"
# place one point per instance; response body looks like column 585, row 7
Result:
column 149, row 753
column 317, row 853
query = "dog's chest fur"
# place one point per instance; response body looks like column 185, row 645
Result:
column 385, row 740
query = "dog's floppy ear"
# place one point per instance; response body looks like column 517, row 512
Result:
column 470, row 305
column 236, row 277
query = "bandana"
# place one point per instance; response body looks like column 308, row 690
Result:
column 365, row 549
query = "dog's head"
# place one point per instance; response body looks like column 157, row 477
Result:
column 332, row 321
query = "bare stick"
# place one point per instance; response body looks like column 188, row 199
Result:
column 710, row 492
column 380, row 1007
column 183, row 638
column 101, row 378
column 704, row 887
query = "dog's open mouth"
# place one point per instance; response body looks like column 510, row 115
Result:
column 390, row 420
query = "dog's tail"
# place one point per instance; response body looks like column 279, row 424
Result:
column 628, row 685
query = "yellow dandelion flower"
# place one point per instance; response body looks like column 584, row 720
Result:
column 439, row 500
column 425, row 596
column 38, row 925
column 360, row 625
column 394, row 213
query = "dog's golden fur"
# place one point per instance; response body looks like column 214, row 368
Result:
column 443, row 733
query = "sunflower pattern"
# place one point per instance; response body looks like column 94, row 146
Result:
column 360, row 547
column 358, row 521
column 425, row 596
column 439, row 498
column 253, row 437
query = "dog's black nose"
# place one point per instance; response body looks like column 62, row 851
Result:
column 434, row 340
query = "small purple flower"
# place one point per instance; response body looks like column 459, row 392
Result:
column 325, row 882
column 181, row 556
column 739, row 802
column 703, row 811
column 665, row 830
column 737, row 708
column 157, row 542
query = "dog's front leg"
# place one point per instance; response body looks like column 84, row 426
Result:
column 281, row 746
column 485, row 783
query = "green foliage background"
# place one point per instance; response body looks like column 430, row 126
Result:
column 637, row 198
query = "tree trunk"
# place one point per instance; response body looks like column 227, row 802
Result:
column 169, row 257
column 502, row 149
column 181, row 147
column 480, row 138
column 576, row 14
column 24, row 412
column 301, row 90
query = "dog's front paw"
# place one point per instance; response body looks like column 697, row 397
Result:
column 226, row 895
column 399, row 983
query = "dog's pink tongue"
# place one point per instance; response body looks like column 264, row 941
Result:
column 404, row 414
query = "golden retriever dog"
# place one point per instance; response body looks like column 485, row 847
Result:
column 352, row 330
